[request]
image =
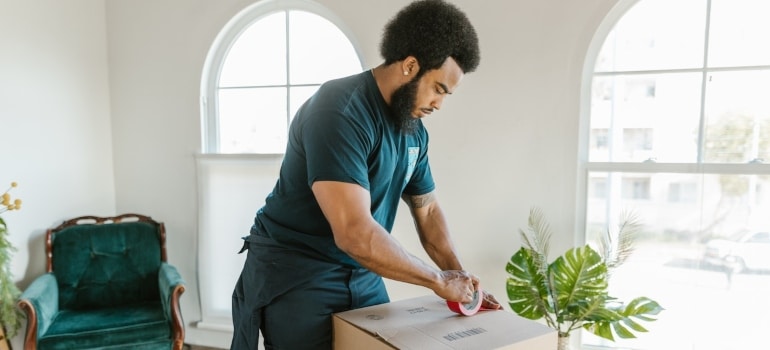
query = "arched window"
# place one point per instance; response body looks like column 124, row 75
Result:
column 677, row 130
column 263, row 65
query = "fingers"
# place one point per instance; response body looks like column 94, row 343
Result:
column 468, row 290
column 469, row 295
column 468, row 277
column 475, row 281
column 461, row 286
column 490, row 302
column 471, row 286
column 457, row 286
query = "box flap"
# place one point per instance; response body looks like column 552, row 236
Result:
column 388, row 318
column 427, row 323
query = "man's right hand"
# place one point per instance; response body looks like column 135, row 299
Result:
column 456, row 285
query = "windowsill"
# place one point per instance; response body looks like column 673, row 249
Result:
column 238, row 156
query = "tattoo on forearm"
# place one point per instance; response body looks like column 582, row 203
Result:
column 421, row 200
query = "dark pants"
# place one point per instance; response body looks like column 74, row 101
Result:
column 290, row 297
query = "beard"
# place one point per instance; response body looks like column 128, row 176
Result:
column 402, row 104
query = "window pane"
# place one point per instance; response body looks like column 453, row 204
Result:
column 258, row 56
column 252, row 120
column 738, row 117
column 639, row 117
column 319, row 50
column 674, row 39
column 681, row 258
column 739, row 33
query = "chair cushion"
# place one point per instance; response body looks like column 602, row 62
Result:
column 143, row 326
column 106, row 265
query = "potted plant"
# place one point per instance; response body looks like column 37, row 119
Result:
column 572, row 291
column 10, row 316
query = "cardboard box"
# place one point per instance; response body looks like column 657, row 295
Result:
column 426, row 323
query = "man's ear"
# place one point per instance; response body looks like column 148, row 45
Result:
column 410, row 66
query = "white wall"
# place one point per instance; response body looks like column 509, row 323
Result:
column 507, row 140
column 55, row 125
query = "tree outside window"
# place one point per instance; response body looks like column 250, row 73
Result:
column 679, row 132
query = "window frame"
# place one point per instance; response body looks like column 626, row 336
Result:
column 254, row 172
column 586, row 167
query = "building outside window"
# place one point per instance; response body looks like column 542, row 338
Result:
column 679, row 133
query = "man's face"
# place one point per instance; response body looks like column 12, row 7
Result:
column 425, row 93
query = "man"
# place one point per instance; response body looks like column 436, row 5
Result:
column 321, row 243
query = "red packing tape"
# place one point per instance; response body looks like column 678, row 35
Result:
column 468, row 309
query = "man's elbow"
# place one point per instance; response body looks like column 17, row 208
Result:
column 354, row 243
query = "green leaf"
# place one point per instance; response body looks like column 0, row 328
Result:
column 615, row 250
column 10, row 315
column 571, row 292
column 579, row 277
column 527, row 292
column 540, row 230
column 640, row 308
column 601, row 329
column 633, row 325
column 622, row 331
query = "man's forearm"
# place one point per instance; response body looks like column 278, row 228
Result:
column 346, row 207
column 379, row 252
column 431, row 225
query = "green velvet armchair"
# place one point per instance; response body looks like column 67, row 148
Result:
column 107, row 285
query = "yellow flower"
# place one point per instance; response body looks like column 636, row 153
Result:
column 6, row 204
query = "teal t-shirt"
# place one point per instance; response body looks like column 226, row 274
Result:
column 342, row 133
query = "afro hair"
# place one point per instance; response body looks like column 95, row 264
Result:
column 431, row 31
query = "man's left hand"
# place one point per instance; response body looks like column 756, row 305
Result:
column 489, row 302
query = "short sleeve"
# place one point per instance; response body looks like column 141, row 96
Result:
column 336, row 148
